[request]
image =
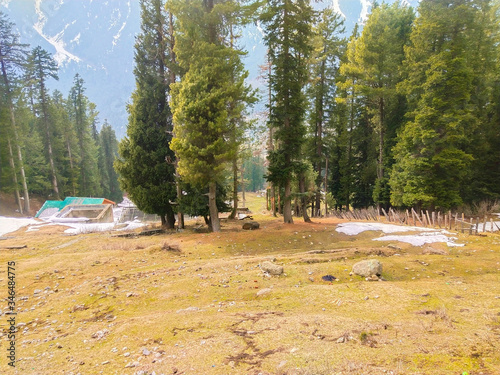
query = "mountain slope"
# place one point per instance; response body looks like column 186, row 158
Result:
column 96, row 39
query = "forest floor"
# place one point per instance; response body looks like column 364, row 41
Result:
column 198, row 303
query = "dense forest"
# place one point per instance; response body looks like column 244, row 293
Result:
column 50, row 144
column 403, row 112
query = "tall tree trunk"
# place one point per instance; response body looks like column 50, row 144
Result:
column 16, row 139
column 55, row 186
column 326, row 187
column 45, row 120
column 287, row 204
column 243, row 199
column 235, row 190
column 70, row 155
column 303, row 199
column 380, row 169
column 172, row 78
column 169, row 218
column 212, row 207
column 14, row 175
column 180, row 214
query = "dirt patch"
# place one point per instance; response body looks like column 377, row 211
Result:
column 251, row 354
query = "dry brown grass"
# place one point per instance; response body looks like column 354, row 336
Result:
column 191, row 300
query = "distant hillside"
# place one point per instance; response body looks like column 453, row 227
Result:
column 96, row 39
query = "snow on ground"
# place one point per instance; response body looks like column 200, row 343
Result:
column 11, row 224
column 421, row 239
column 353, row 229
column 426, row 236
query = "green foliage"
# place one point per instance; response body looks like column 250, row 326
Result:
column 208, row 103
column 82, row 118
column 434, row 154
column 108, row 152
column 254, row 171
column 373, row 70
column 288, row 38
column 146, row 163
column 194, row 201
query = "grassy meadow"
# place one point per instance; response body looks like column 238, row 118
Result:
column 198, row 303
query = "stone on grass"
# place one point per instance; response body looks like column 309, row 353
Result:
column 434, row 251
column 271, row 268
column 264, row 291
column 367, row 268
column 251, row 225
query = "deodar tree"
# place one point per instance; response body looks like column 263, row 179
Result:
column 42, row 67
column 209, row 95
column 13, row 55
column 447, row 92
column 288, row 33
column 146, row 163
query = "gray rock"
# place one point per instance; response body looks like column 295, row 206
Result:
column 271, row 268
column 367, row 268
column 251, row 225
column 434, row 251
column 263, row 292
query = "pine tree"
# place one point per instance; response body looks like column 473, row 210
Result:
column 209, row 96
column 433, row 154
column 146, row 163
column 108, row 152
column 41, row 67
column 288, row 32
column 13, row 55
column 376, row 59
column 83, row 116
column 329, row 46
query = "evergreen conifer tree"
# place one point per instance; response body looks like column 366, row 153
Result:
column 209, row 96
column 288, row 38
column 146, row 163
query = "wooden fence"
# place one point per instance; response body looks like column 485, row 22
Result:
column 435, row 220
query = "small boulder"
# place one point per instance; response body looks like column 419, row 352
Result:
column 271, row 268
column 434, row 251
column 264, row 291
column 251, row 225
column 367, row 268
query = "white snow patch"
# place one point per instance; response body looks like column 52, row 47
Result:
column 116, row 38
column 426, row 236
column 79, row 228
column 353, row 228
column 76, row 39
column 131, row 225
column 61, row 55
column 11, row 224
column 421, row 239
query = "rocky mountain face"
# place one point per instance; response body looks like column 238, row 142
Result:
column 95, row 38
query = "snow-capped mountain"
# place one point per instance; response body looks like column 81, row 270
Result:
column 95, row 38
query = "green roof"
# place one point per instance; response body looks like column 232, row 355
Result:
column 71, row 200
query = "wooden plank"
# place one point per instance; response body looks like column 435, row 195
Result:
column 385, row 214
column 428, row 218
column 416, row 215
